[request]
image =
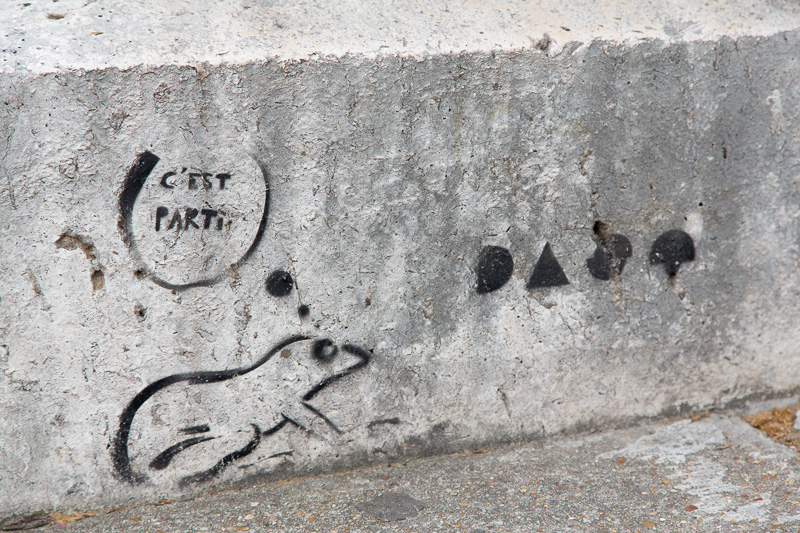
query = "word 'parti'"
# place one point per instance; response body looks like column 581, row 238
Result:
column 188, row 219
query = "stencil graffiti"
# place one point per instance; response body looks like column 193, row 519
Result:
column 190, row 427
column 280, row 283
column 165, row 426
column 188, row 219
column 495, row 264
column 611, row 254
column 671, row 249
column 547, row 272
column 494, row 269
column 189, row 227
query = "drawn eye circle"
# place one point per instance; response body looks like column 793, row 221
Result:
column 279, row 283
column 324, row 350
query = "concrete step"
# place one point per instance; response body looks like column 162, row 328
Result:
column 270, row 239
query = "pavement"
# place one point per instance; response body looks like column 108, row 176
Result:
column 712, row 472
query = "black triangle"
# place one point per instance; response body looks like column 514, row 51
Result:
column 547, row 272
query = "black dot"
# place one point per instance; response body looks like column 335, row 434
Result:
column 303, row 311
column 324, row 350
column 279, row 283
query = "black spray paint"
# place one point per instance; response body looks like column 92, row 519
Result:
column 547, row 272
column 134, row 182
column 279, row 283
column 323, row 350
column 610, row 256
column 394, row 421
column 671, row 249
column 494, row 268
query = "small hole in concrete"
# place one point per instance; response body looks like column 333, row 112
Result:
column 72, row 241
column 672, row 281
column 98, row 280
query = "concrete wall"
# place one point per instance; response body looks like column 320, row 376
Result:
column 213, row 271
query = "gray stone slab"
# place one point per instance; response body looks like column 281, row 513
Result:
column 266, row 239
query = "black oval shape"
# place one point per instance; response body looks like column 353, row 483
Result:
column 671, row 249
column 494, row 269
column 324, row 350
column 279, row 283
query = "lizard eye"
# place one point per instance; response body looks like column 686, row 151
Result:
column 279, row 283
column 324, row 350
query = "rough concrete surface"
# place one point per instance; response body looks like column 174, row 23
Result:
column 711, row 474
column 283, row 238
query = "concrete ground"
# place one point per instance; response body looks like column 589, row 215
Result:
column 709, row 473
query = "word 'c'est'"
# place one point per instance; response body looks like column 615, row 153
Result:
column 195, row 179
